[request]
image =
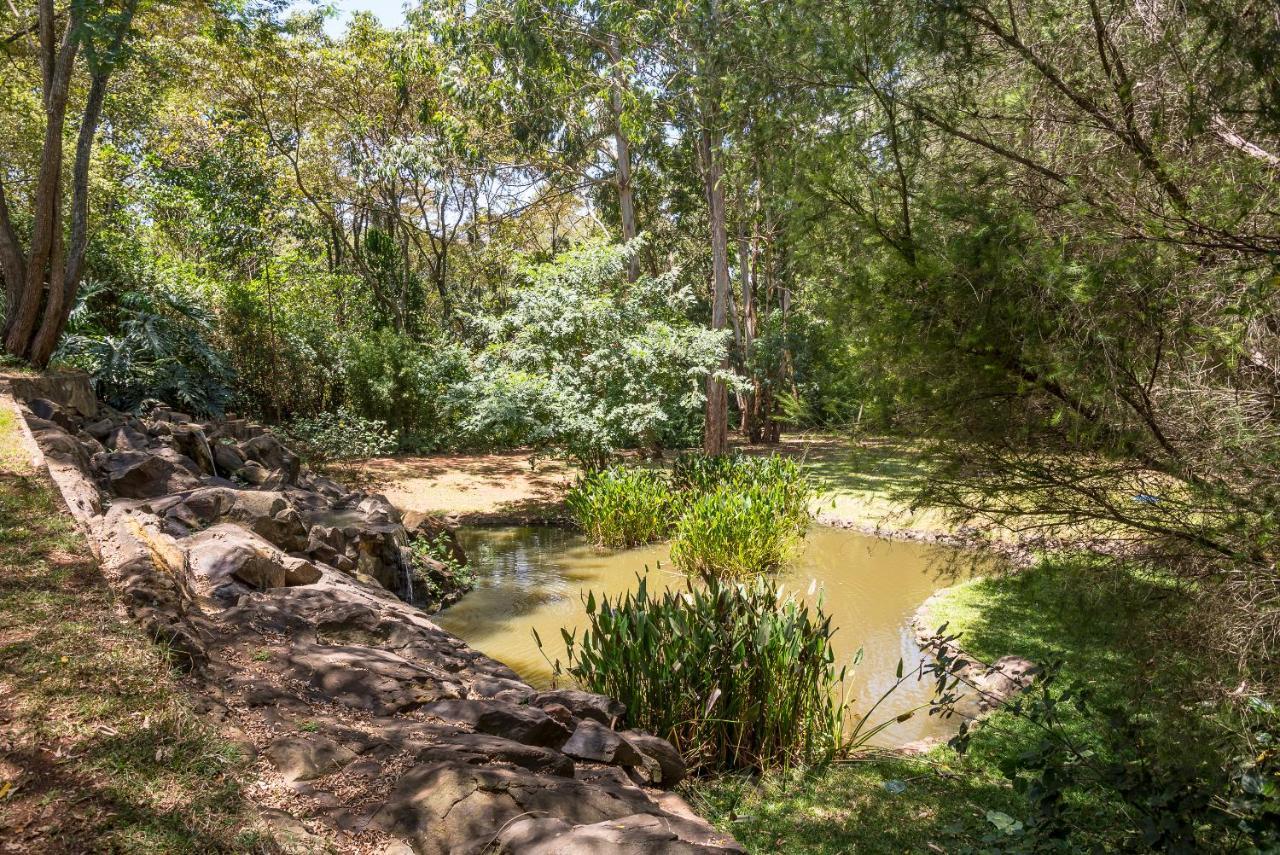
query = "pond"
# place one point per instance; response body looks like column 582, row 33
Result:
column 535, row 578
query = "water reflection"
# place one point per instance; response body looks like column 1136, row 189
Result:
column 534, row 578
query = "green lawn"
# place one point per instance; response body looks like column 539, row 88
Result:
column 1115, row 631
column 99, row 750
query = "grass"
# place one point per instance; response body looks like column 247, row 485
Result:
column 1122, row 633
column 100, row 751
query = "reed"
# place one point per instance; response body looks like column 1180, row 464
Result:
column 736, row 676
column 623, row 506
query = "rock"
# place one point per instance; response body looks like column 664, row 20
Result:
column 254, row 473
column 375, row 680
column 271, row 454
column 267, row 514
column 584, row 704
column 191, row 441
column 60, row 445
column 482, row 748
column 139, row 475
column 501, row 689
column 529, row 725
column 597, row 743
column 68, row 389
column 289, row 834
column 1008, row 676
column 228, row 458
column 227, row 551
column 637, row 834
column 126, row 438
column 433, row 529
column 55, row 413
column 454, row 807
column 663, row 763
column 306, row 758
column 102, row 429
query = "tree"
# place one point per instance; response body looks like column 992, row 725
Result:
column 42, row 277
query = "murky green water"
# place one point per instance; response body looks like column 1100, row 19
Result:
column 535, row 578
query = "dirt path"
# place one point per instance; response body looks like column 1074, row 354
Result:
column 501, row 487
column 864, row 482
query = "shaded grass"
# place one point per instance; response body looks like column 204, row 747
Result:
column 98, row 749
column 1124, row 634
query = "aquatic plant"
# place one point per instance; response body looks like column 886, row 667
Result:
column 623, row 506
column 743, row 515
column 736, row 676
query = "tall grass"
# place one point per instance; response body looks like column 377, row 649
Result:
column 623, row 506
column 735, row 676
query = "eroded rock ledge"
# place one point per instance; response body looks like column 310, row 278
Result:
column 284, row 596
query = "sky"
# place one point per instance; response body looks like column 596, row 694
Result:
column 389, row 12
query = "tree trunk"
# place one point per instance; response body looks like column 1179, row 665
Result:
column 626, row 199
column 41, row 286
column 715, row 435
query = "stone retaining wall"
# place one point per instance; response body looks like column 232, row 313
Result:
column 373, row 729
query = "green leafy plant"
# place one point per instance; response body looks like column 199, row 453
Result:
column 150, row 344
column 586, row 363
column 623, row 506
column 438, row 576
column 736, row 676
column 743, row 515
column 338, row 436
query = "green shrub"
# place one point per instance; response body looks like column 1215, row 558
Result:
column 151, row 344
column 735, row 676
column 742, row 515
column 623, row 506
column 734, row 531
column 338, row 436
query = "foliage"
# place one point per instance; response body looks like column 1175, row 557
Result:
column 735, row 676
column 589, row 364
column 408, row 386
column 156, row 347
column 438, row 576
column 338, row 436
column 623, row 506
column 742, row 515
column 1160, row 798
column 734, row 532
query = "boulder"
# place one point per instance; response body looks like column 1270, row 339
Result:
column 584, row 704
column 69, row 389
column 481, row 748
column 126, row 438
column 226, row 551
column 637, row 834
column 304, row 758
column 374, row 680
column 102, row 429
column 139, row 475
column 190, row 440
column 45, row 409
column 227, row 458
column 433, row 529
column 271, row 454
column 663, row 763
column 451, row 807
column 594, row 742
column 526, row 724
